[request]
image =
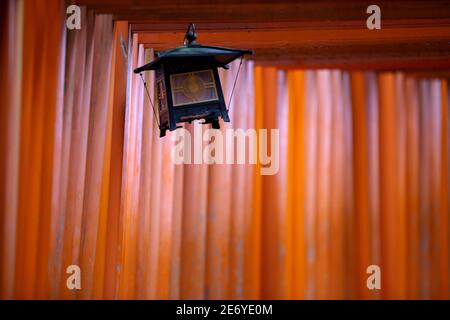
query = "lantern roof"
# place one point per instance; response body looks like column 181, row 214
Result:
column 221, row 56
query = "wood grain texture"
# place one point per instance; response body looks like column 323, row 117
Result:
column 259, row 10
column 10, row 94
column 361, row 178
column 117, row 105
column 290, row 33
column 193, row 243
column 296, row 182
column 413, row 191
column 443, row 252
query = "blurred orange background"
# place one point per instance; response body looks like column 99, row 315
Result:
column 86, row 180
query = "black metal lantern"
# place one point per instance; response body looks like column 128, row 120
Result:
column 187, row 82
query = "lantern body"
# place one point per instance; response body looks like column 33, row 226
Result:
column 188, row 85
column 189, row 89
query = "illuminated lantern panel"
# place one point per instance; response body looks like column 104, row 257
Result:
column 188, row 85
column 193, row 87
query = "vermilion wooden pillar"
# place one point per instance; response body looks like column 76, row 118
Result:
column 74, row 149
column 127, row 259
column 361, row 180
column 253, row 270
column 96, row 195
column 296, row 181
column 444, row 286
column 271, row 272
column 117, row 106
column 412, row 184
column 339, row 201
column 10, row 120
column 193, row 253
column 41, row 71
column 220, row 217
column 393, row 259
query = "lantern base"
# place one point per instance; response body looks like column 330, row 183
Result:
column 162, row 132
column 214, row 124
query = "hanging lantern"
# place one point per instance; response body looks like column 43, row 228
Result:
column 187, row 82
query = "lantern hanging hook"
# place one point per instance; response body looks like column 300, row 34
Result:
column 151, row 101
column 191, row 35
column 230, row 102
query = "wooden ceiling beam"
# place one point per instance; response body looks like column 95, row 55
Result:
column 295, row 38
column 260, row 10
column 316, row 33
column 230, row 26
column 386, row 48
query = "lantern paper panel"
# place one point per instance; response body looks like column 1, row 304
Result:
column 193, row 87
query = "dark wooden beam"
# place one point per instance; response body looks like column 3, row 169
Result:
column 388, row 48
column 300, row 37
column 263, row 11
column 414, row 34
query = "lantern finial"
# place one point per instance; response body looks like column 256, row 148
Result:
column 190, row 35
